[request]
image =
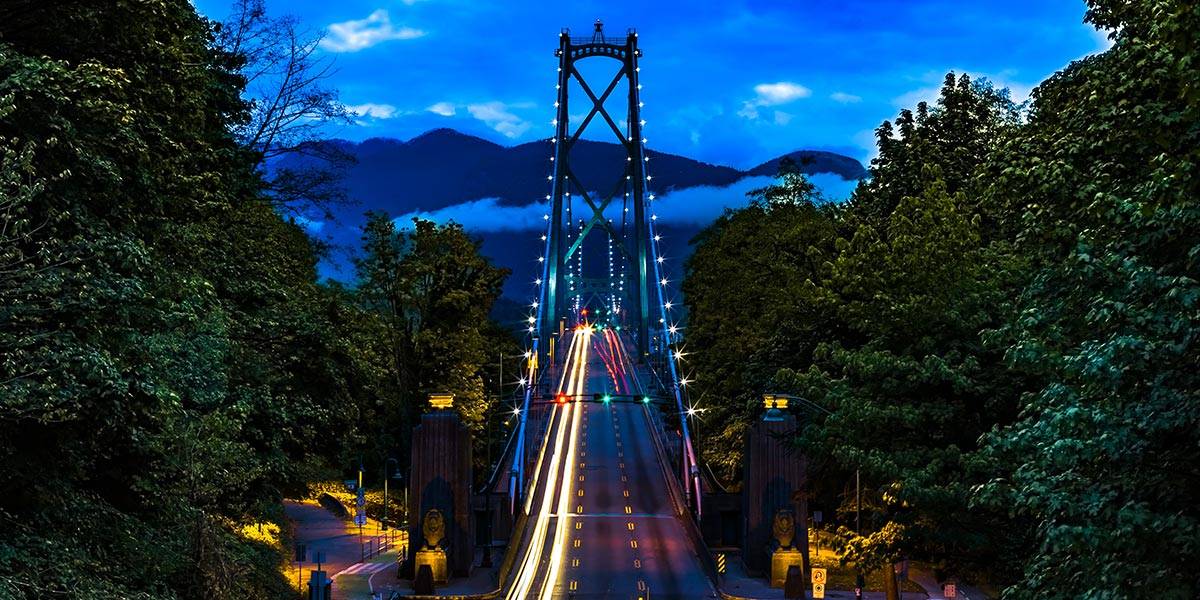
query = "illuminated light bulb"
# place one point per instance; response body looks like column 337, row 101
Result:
column 672, row 329
column 543, row 238
column 664, row 281
column 537, row 282
column 530, row 330
column 532, row 320
column 533, row 305
column 651, row 196
column 667, row 306
column 653, row 217
column 679, row 355
column 641, row 104
column 684, row 381
column 545, row 217
column 541, row 259
column 657, row 237
column 549, row 178
column 547, row 196
column 552, row 159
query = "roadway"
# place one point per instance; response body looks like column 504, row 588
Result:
column 602, row 521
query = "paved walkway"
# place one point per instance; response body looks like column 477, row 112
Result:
column 358, row 562
column 926, row 580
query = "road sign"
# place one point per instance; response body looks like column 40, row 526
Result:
column 818, row 576
column 818, row 516
column 721, row 563
column 950, row 590
column 360, row 519
column 818, row 590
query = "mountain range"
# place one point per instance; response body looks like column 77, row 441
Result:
column 444, row 170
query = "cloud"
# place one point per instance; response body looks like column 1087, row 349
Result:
column 844, row 98
column 773, row 94
column 782, row 118
column 485, row 214
column 698, row 205
column 497, row 115
column 352, row 36
column 444, row 109
column 375, row 111
column 1101, row 36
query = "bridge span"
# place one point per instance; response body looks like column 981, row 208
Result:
column 604, row 517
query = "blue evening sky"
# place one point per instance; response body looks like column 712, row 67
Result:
column 735, row 82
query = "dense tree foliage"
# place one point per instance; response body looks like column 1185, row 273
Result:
column 1003, row 325
column 169, row 365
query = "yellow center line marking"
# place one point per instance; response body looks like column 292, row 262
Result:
column 578, row 542
column 637, row 563
column 633, row 544
column 630, row 525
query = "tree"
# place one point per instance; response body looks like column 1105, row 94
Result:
column 433, row 291
column 1103, row 459
column 168, row 370
column 764, row 256
column 289, row 108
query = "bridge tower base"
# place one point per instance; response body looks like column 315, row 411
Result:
column 441, row 480
column 775, row 480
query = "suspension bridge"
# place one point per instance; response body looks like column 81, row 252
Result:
column 605, row 489
column 600, row 489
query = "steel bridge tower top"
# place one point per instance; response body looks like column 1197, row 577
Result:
column 564, row 242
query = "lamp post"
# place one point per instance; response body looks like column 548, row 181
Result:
column 398, row 476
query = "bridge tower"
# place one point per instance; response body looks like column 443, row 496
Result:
column 563, row 279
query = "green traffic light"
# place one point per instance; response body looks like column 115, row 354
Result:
column 646, row 399
column 607, row 398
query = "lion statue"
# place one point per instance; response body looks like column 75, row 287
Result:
column 784, row 528
column 434, row 527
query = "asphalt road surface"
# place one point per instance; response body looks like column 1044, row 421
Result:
column 604, row 524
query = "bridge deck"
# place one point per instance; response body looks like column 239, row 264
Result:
column 603, row 523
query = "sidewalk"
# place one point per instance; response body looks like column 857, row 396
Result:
column 481, row 581
column 925, row 579
column 735, row 583
column 353, row 559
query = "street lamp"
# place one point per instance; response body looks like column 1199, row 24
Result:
column 398, row 476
